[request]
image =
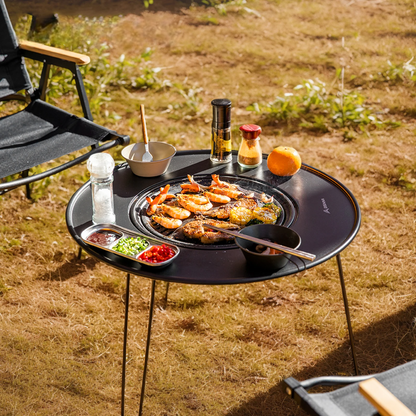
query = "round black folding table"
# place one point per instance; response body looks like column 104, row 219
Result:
column 322, row 210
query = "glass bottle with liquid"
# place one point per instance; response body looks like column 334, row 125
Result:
column 221, row 131
column 101, row 166
column 250, row 153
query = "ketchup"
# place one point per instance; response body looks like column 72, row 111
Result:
column 157, row 254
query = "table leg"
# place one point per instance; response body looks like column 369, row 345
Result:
column 166, row 294
column 347, row 312
column 146, row 357
column 126, row 320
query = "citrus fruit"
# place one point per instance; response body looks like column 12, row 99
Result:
column 284, row 161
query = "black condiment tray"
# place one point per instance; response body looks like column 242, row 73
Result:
column 125, row 233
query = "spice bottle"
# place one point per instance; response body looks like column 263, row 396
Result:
column 221, row 131
column 250, row 154
column 101, row 166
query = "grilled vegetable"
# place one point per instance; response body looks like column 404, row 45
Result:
column 265, row 215
column 274, row 207
column 241, row 215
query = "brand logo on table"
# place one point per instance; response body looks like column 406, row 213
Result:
column 326, row 209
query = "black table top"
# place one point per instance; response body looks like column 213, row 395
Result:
column 327, row 217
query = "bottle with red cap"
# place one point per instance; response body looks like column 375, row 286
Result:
column 250, row 154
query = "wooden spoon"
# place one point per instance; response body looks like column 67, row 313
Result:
column 147, row 157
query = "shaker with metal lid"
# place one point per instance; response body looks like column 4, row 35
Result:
column 221, row 131
column 101, row 166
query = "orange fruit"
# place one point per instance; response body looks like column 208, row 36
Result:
column 284, row 161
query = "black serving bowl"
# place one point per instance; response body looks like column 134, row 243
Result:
column 275, row 233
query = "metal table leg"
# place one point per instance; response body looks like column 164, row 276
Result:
column 126, row 320
column 166, row 294
column 347, row 312
column 146, row 357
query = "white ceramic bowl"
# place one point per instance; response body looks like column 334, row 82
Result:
column 162, row 155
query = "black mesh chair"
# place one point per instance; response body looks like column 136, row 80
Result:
column 41, row 132
column 348, row 401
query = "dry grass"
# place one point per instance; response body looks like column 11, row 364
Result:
column 222, row 350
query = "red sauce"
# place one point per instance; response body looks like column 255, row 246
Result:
column 157, row 254
column 103, row 237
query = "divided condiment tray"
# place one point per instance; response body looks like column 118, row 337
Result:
column 106, row 236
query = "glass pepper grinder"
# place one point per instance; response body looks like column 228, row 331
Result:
column 221, row 131
column 250, row 154
column 101, row 166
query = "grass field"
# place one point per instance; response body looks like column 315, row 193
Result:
column 221, row 350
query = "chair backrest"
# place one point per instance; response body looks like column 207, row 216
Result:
column 13, row 73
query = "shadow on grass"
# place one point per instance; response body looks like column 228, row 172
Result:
column 69, row 269
column 380, row 346
column 87, row 8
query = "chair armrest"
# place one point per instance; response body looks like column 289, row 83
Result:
column 382, row 399
column 77, row 58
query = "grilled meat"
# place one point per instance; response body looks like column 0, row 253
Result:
column 195, row 230
column 223, row 212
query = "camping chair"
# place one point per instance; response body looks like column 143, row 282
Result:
column 348, row 401
column 41, row 132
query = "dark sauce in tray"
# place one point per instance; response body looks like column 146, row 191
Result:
column 104, row 237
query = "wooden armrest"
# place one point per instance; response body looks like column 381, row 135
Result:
column 382, row 399
column 77, row 58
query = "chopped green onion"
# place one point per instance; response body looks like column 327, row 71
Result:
column 130, row 246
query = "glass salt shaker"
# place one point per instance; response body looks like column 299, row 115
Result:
column 250, row 154
column 101, row 166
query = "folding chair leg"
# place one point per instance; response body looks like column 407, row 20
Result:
column 25, row 174
column 43, row 83
column 347, row 312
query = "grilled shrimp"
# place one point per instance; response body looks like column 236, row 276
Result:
column 264, row 198
column 231, row 193
column 167, row 222
column 221, row 184
column 222, row 199
column 159, row 199
column 192, row 186
column 188, row 204
column 196, row 199
column 175, row 212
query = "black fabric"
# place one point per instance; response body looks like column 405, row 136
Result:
column 41, row 133
column 13, row 74
column 347, row 401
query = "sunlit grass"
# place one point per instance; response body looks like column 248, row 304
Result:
column 219, row 350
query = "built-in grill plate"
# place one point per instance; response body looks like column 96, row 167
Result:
column 144, row 223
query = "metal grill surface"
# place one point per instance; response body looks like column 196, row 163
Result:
column 144, row 223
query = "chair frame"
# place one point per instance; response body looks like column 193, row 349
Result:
column 63, row 59
column 388, row 390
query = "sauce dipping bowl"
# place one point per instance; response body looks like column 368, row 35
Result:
column 162, row 155
column 274, row 233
